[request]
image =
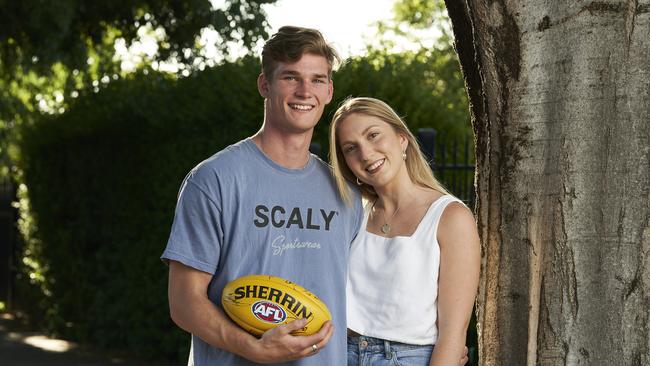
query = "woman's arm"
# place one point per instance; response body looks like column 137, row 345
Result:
column 460, row 254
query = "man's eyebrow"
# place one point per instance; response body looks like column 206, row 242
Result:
column 296, row 73
column 289, row 72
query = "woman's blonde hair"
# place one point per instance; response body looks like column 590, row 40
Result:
column 416, row 164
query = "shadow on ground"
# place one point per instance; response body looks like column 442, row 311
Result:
column 22, row 347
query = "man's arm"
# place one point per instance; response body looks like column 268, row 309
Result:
column 192, row 311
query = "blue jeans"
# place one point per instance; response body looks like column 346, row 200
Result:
column 367, row 351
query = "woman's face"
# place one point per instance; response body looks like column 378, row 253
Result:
column 372, row 149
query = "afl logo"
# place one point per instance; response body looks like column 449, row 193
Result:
column 269, row 312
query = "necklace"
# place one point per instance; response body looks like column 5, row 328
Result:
column 385, row 228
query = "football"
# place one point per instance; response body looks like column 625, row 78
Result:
column 258, row 303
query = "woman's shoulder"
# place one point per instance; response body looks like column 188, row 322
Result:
column 456, row 221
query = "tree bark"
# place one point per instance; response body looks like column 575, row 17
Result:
column 560, row 102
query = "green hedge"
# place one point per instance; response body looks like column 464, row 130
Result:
column 102, row 181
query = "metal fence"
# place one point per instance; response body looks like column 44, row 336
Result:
column 452, row 162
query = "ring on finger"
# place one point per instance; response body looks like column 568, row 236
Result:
column 314, row 348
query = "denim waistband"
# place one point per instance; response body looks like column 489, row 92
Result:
column 372, row 342
column 385, row 347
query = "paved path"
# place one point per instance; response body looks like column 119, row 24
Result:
column 19, row 347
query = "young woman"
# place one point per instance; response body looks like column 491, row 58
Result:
column 414, row 266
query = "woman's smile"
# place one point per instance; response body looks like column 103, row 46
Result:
column 374, row 167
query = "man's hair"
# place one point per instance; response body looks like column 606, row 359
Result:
column 290, row 43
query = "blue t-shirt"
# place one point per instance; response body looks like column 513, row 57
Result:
column 240, row 213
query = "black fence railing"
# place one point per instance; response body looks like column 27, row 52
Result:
column 452, row 163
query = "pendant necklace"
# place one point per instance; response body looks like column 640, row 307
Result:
column 385, row 228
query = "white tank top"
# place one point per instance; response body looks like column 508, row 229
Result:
column 392, row 286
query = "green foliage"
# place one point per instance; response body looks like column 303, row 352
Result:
column 425, row 85
column 37, row 34
column 419, row 13
column 415, row 22
column 52, row 51
column 103, row 179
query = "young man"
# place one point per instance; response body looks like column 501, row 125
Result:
column 265, row 205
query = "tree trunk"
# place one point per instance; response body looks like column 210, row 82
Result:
column 560, row 102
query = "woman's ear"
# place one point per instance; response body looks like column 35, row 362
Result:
column 403, row 141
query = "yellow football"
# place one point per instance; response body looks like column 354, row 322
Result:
column 258, row 303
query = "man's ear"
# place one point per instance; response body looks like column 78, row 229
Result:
column 330, row 91
column 263, row 85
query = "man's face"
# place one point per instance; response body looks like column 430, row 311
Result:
column 297, row 93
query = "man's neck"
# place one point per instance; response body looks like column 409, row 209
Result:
column 288, row 150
